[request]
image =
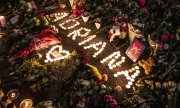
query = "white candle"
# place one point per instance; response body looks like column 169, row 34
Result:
column 129, row 77
column 59, row 57
column 3, row 21
column 98, row 25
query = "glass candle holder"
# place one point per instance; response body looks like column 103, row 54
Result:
column 13, row 94
column 1, row 94
column 26, row 103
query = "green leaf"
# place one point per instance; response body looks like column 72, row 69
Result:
column 85, row 83
column 90, row 92
column 74, row 53
column 96, row 88
column 78, row 93
column 102, row 92
column 36, row 70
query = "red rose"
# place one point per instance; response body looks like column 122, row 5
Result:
column 171, row 37
column 142, row 3
column 164, row 37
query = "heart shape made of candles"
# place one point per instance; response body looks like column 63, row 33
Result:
column 57, row 54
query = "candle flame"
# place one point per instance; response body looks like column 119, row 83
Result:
column 26, row 104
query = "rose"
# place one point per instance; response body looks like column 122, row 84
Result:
column 164, row 37
column 142, row 3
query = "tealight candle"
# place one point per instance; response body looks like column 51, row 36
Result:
column 129, row 77
column 95, row 46
column 13, row 94
column 119, row 73
column 128, row 86
column 69, row 21
column 1, row 94
column 59, row 16
column 113, row 58
column 78, row 32
column 115, row 75
column 48, row 59
column 136, row 67
column 27, row 103
column 130, row 83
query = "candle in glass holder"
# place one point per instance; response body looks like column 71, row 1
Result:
column 1, row 94
column 13, row 94
column 26, row 103
column 2, row 21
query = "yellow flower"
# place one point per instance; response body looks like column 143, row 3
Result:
column 96, row 71
column 36, row 20
column 39, row 56
column 46, row 21
column 35, row 63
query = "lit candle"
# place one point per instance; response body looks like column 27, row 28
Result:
column 115, row 75
column 113, row 60
column 13, row 94
column 130, row 83
column 59, row 16
column 78, row 32
column 48, row 57
column 95, row 46
column 3, row 21
column 1, row 94
column 69, row 22
column 129, row 77
column 27, row 103
column 128, row 86
column 136, row 67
